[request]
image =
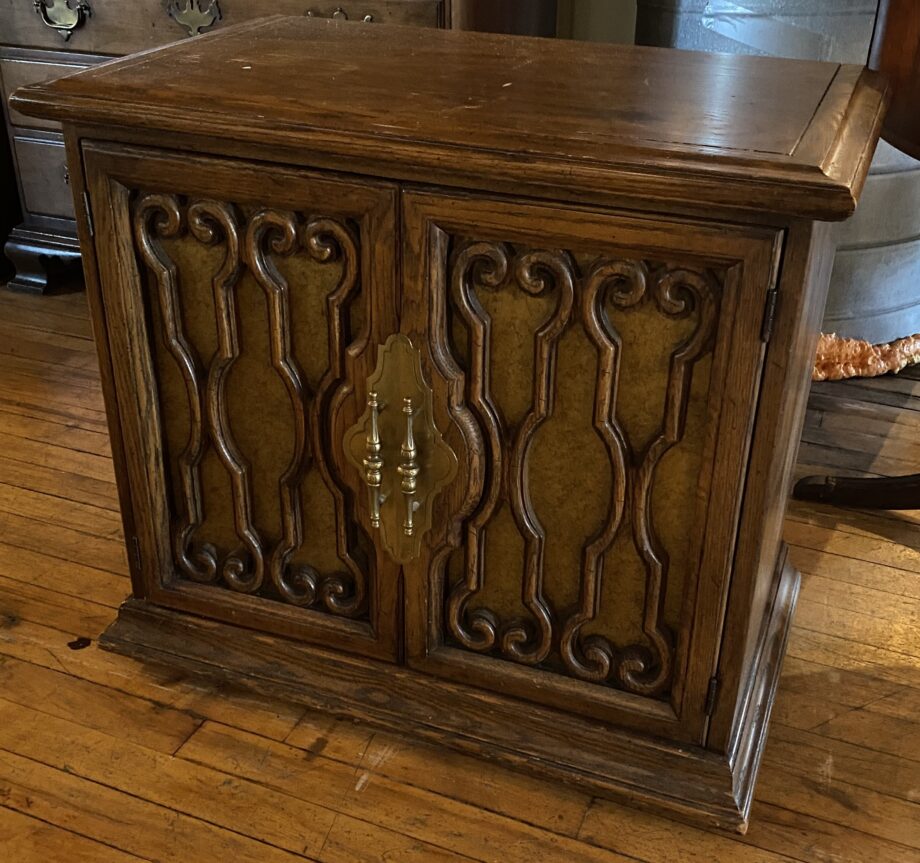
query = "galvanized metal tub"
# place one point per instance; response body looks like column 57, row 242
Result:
column 875, row 287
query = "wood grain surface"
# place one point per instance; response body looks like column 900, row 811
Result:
column 449, row 105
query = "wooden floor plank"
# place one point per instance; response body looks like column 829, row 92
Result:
column 49, row 314
column 862, row 444
column 124, row 821
column 408, row 810
column 43, row 571
column 32, row 452
column 63, row 434
column 65, row 543
column 48, row 647
column 24, row 838
column 811, row 694
column 130, row 719
column 827, row 649
column 860, row 810
column 898, row 637
column 453, row 774
column 58, row 483
column 650, row 837
column 210, row 796
column 43, row 387
column 819, row 840
column 83, row 517
column 846, row 570
column 838, row 402
column 65, row 613
column 818, row 754
column 878, row 733
column 866, row 549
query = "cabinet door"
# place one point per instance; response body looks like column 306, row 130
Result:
column 241, row 302
column 596, row 375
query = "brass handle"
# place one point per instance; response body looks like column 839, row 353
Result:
column 409, row 468
column 401, row 455
column 340, row 15
column 373, row 459
column 61, row 16
column 190, row 15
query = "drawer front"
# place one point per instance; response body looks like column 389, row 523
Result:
column 20, row 68
column 116, row 27
column 42, row 165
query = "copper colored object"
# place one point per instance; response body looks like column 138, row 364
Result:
column 838, row 359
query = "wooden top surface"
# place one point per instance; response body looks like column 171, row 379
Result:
column 797, row 135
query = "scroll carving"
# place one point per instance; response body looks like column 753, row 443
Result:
column 327, row 241
column 621, row 284
column 279, row 231
column 625, row 283
column 160, row 216
column 210, row 222
column 486, row 265
column 537, row 273
column 253, row 244
column 677, row 293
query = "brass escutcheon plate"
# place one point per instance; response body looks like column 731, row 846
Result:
column 398, row 451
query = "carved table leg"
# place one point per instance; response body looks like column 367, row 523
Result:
column 901, row 492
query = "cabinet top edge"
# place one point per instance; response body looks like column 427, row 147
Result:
column 789, row 137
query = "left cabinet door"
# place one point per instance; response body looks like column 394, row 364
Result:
column 241, row 303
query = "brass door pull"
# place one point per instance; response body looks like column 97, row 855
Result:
column 409, row 468
column 61, row 16
column 373, row 462
column 401, row 456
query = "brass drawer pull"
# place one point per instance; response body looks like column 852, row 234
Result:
column 340, row 14
column 190, row 15
column 61, row 16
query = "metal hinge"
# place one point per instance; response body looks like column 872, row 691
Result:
column 769, row 314
column 88, row 210
column 712, row 693
column 136, row 548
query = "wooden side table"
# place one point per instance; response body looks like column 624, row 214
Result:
column 455, row 381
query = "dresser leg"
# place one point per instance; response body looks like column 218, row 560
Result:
column 42, row 263
column 900, row 492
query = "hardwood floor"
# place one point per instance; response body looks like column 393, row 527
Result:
column 104, row 759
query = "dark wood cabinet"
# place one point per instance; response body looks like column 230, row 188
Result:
column 448, row 419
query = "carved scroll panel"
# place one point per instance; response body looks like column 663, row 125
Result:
column 588, row 379
column 253, row 312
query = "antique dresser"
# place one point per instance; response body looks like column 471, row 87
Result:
column 455, row 381
column 43, row 39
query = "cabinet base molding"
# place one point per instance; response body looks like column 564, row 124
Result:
column 43, row 261
column 687, row 782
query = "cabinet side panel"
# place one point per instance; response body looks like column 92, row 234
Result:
column 804, row 279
